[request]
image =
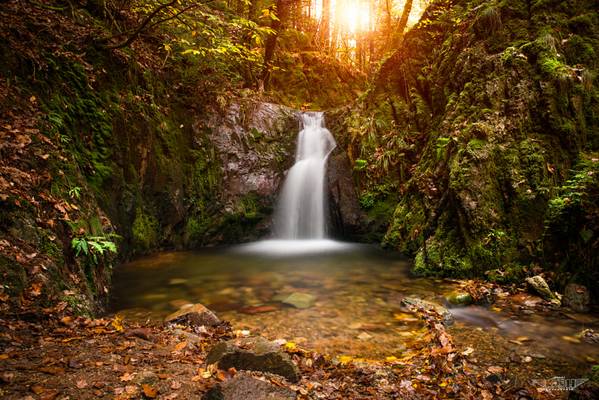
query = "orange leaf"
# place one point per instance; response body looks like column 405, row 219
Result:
column 149, row 391
column 180, row 346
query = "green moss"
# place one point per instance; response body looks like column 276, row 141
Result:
column 144, row 231
column 442, row 257
column 80, row 118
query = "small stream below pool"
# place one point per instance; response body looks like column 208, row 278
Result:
column 357, row 312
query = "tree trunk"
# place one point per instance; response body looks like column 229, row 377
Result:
column 325, row 22
column 403, row 21
column 271, row 41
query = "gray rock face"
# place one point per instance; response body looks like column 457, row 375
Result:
column 416, row 304
column 538, row 284
column 253, row 354
column 347, row 218
column 577, row 297
column 193, row 315
column 255, row 144
column 246, row 387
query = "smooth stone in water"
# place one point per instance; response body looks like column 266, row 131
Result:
column 194, row 315
column 300, row 300
column 459, row 298
column 253, row 354
column 245, row 387
column 538, row 284
column 576, row 297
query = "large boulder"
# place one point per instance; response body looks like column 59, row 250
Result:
column 253, row 354
column 347, row 218
column 577, row 297
column 245, row 387
column 540, row 287
column 194, row 315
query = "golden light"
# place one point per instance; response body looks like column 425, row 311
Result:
column 356, row 16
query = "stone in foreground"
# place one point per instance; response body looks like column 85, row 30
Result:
column 194, row 315
column 414, row 303
column 300, row 300
column 245, row 387
column 253, row 354
column 538, row 284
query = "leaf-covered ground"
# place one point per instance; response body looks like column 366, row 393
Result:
column 56, row 356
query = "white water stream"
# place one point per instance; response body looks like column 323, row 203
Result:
column 301, row 211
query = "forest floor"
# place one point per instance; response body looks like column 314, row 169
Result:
column 50, row 355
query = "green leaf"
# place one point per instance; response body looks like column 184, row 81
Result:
column 586, row 235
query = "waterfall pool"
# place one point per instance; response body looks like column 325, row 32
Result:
column 354, row 295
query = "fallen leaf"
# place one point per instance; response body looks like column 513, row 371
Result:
column 82, row 384
column 495, row 370
column 176, row 385
column 117, row 323
column 36, row 289
column 37, row 389
column 149, row 391
column 468, row 351
column 126, row 377
column 180, row 346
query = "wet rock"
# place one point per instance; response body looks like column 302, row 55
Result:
column 589, row 336
column 146, row 377
column 576, row 297
column 254, row 354
column 459, row 298
column 246, row 387
column 347, row 218
column 587, row 391
column 300, row 300
column 538, row 284
column 194, row 315
column 416, row 304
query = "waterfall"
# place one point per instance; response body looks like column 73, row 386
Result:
column 301, row 210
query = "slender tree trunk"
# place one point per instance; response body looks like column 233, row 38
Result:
column 325, row 22
column 271, row 41
column 403, row 21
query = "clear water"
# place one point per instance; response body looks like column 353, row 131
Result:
column 357, row 312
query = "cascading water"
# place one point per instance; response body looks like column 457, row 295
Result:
column 301, row 211
column 300, row 217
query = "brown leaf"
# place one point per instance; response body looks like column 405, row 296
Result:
column 495, row 370
column 126, row 377
column 37, row 389
column 52, row 370
column 149, row 391
column 180, row 346
column 176, row 385
column 82, row 384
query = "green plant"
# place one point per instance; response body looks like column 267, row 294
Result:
column 75, row 192
column 93, row 246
